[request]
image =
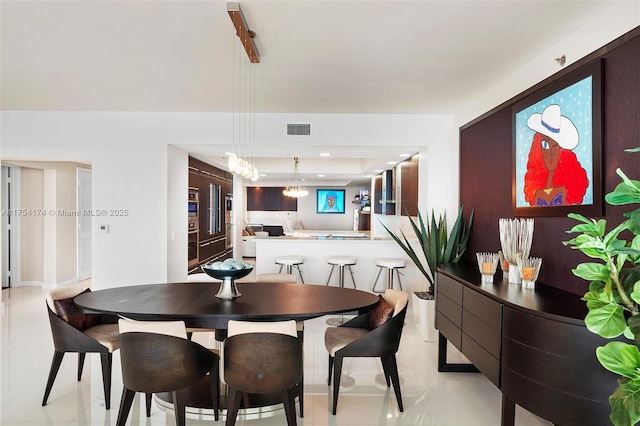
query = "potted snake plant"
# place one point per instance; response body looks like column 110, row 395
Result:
column 613, row 299
column 437, row 247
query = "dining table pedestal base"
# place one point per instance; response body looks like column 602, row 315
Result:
column 198, row 399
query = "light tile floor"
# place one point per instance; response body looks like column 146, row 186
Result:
column 430, row 398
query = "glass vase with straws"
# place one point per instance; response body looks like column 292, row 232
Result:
column 516, row 236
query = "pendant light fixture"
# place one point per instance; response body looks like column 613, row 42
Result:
column 243, row 97
column 295, row 189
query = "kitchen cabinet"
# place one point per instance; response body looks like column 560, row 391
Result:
column 384, row 193
column 395, row 191
column 363, row 218
column 407, row 187
column 209, row 229
column 269, row 199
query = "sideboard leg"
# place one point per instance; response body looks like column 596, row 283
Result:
column 508, row 412
column 444, row 367
column 442, row 352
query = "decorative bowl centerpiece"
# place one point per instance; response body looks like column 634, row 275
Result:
column 227, row 271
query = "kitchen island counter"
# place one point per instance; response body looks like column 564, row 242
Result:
column 317, row 246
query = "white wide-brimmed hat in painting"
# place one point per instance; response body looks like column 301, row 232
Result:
column 555, row 125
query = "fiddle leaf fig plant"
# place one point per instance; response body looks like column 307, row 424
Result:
column 613, row 299
column 438, row 246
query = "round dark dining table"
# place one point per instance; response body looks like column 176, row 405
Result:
column 195, row 302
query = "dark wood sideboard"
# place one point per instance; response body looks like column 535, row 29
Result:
column 532, row 344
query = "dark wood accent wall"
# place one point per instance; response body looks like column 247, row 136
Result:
column 269, row 199
column 486, row 161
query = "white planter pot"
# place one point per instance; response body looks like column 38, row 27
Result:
column 424, row 314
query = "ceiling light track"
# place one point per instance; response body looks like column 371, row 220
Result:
column 243, row 31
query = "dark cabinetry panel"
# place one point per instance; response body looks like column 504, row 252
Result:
column 269, row 199
column 212, row 186
column 449, row 310
column 212, row 248
column 481, row 333
column 407, row 176
column 395, row 191
column 377, row 194
column 471, row 322
column 384, row 193
column 544, row 365
column 364, row 221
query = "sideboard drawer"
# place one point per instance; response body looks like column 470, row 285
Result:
column 482, row 359
column 450, row 288
column 449, row 330
column 543, row 365
column 485, row 335
column 450, row 310
column 481, row 306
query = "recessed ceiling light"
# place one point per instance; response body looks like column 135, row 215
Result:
column 377, row 170
column 391, row 162
column 404, row 155
column 320, row 175
column 324, row 154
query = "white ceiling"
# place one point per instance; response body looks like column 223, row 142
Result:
column 316, row 57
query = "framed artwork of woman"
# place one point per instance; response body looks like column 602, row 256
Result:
column 557, row 147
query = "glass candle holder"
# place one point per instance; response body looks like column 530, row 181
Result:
column 529, row 269
column 504, row 265
column 487, row 264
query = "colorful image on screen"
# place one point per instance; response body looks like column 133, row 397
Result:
column 330, row 201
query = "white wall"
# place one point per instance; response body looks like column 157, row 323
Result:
column 177, row 183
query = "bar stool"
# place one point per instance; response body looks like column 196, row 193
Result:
column 390, row 265
column 291, row 262
column 341, row 262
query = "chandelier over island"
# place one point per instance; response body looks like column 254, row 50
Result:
column 295, row 189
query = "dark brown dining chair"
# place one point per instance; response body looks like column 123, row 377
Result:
column 76, row 332
column 278, row 277
column 375, row 333
column 262, row 358
column 156, row 356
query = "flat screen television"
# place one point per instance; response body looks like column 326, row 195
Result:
column 330, row 201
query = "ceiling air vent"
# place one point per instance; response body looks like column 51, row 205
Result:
column 298, row 129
